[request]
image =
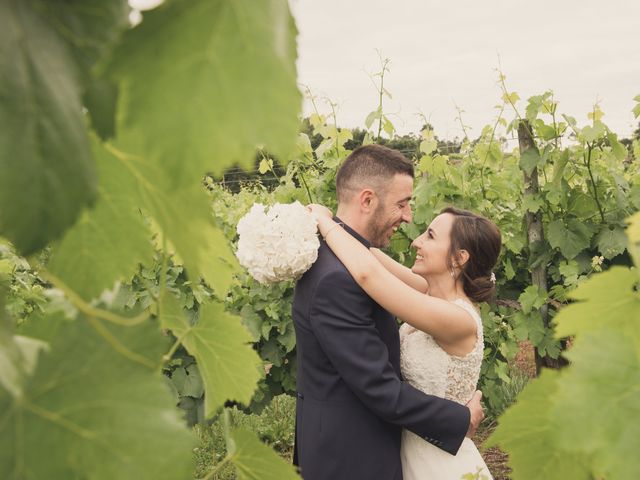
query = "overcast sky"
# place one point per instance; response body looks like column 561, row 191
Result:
column 586, row 51
column 446, row 52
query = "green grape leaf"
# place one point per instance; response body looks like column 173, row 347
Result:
column 372, row 117
column 532, row 203
column 570, row 238
column 89, row 27
column 618, row 149
column 606, row 299
column 100, row 99
column 580, row 204
column 527, row 432
column 512, row 97
column 593, row 133
column 110, row 240
column 559, row 167
column 529, row 160
column 254, row 460
column 18, row 359
column 636, row 109
column 90, row 412
column 611, row 242
column 186, row 220
column 184, row 216
column 428, row 146
column 193, row 385
column 533, row 107
column 45, row 159
column 226, row 79
column 633, row 233
column 509, row 271
column 532, row 298
column 265, row 166
column 547, row 132
column 387, row 126
column 304, row 145
column 188, row 381
column 288, row 338
column 605, row 371
column 229, row 367
column 252, row 321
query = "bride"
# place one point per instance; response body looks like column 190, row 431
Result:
column 441, row 340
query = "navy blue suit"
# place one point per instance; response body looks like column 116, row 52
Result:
column 352, row 403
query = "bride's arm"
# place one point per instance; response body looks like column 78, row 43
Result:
column 400, row 271
column 446, row 322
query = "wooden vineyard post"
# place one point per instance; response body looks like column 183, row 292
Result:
column 535, row 232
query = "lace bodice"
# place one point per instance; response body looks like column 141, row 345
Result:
column 426, row 366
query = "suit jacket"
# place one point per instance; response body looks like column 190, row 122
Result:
column 352, row 403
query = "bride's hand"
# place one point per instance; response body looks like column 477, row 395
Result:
column 319, row 211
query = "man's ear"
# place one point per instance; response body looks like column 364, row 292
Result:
column 367, row 200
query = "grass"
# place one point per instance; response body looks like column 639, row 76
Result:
column 274, row 426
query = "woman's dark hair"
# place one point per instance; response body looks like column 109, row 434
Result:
column 481, row 238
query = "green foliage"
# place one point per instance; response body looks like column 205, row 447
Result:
column 559, row 428
column 80, row 381
column 110, row 240
column 216, row 340
column 209, row 67
column 94, row 408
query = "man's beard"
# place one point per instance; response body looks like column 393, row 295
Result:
column 378, row 228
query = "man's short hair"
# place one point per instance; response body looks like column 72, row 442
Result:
column 370, row 166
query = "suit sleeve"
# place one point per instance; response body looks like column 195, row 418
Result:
column 341, row 318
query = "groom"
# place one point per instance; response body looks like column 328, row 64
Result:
column 352, row 403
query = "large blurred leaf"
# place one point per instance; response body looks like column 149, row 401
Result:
column 526, row 431
column 89, row 27
column 45, row 160
column 605, row 373
column 18, row 358
column 100, row 99
column 607, row 299
column 633, row 232
column 220, row 343
column 256, row 461
column 203, row 82
column 109, row 240
column 89, row 412
column 184, row 216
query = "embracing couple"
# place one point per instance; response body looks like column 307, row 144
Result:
column 375, row 402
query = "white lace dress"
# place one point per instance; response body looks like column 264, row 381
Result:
column 429, row 368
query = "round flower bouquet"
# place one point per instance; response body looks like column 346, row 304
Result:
column 277, row 244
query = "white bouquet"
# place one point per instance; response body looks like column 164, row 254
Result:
column 278, row 244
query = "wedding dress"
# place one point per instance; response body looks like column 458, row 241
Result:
column 429, row 368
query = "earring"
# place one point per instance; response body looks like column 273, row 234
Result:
column 453, row 273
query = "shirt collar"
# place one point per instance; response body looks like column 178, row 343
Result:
column 355, row 234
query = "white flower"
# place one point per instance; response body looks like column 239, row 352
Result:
column 278, row 244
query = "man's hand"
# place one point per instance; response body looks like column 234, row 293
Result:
column 477, row 413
